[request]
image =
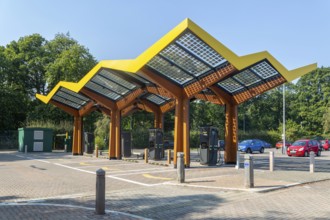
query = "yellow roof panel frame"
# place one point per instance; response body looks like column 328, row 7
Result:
column 135, row 65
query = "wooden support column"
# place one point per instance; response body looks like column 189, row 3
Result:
column 77, row 136
column 231, row 134
column 186, row 132
column 159, row 120
column 181, row 129
column 118, row 134
column 112, row 136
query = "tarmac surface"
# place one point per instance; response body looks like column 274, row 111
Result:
column 62, row 186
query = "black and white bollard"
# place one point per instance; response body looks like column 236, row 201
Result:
column 180, row 168
column 237, row 159
column 311, row 161
column 100, row 192
column 248, row 168
column 271, row 161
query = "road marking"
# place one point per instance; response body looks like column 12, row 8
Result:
column 156, row 177
column 109, row 176
column 73, row 168
column 157, row 171
column 85, row 164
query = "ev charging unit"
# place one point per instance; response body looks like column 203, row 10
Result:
column 156, row 144
column 208, row 145
column 126, row 143
column 89, row 142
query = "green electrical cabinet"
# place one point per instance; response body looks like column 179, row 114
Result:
column 36, row 139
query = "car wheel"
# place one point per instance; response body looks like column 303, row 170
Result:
column 249, row 151
column 318, row 153
column 262, row 150
column 306, row 154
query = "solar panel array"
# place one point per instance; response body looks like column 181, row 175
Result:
column 185, row 59
column 249, row 78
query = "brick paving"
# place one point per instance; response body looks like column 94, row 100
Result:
column 60, row 186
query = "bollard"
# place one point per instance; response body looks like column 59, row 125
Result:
column 25, row 149
column 180, row 169
column 146, row 155
column 311, row 161
column 271, row 161
column 169, row 156
column 237, row 160
column 96, row 151
column 248, row 168
column 100, row 192
column 65, row 148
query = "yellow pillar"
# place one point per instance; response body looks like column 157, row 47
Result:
column 112, row 136
column 231, row 134
column 118, row 134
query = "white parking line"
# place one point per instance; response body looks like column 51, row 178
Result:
column 93, row 172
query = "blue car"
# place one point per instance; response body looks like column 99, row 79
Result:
column 249, row 146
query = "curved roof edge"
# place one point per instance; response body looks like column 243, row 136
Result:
column 134, row 65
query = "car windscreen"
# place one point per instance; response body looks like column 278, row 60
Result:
column 246, row 142
column 299, row 143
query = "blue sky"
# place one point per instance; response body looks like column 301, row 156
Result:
column 296, row 32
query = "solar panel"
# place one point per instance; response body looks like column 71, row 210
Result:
column 70, row 98
column 247, row 78
column 66, row 102
column 184, row 60
column 77, row 95
column 264, row 70
column 111, row 76
column 164, row 67
column 102, row 90
column 110, row 85
column 191, row 42
column 155, row 99
column 230, row 85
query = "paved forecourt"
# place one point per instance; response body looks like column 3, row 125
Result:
column 60, row 181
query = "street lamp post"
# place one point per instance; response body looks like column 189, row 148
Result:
column 283, row 135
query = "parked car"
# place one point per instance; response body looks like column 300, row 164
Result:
column 303, row 147
column 325, row 144
column 251, row 145
column 267, row 145
column 279, row 144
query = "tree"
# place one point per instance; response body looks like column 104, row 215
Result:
column 70, row 61
column 313, row 95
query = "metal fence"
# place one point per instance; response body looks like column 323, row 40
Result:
column 9, row 140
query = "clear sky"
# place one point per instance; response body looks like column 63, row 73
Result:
column 296, row 32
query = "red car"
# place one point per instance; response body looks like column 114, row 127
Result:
column 303, row 147
column 279, row 144
column 325, row 144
